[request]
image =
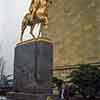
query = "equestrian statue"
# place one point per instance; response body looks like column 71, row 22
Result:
column 37, row 14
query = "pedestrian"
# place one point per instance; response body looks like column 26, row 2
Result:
column 64, row 92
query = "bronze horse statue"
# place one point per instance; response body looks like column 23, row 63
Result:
column 38, row 13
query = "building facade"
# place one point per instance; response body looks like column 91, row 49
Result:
column 74, row 30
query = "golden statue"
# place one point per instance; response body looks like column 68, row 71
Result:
column 38, row 14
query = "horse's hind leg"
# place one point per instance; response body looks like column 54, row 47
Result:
column 40, row 30
column 32, row 31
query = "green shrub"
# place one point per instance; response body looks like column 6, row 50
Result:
column 86, row 79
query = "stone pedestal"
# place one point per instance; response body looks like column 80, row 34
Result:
column 33, row 69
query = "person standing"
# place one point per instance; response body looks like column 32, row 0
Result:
column 64, row 93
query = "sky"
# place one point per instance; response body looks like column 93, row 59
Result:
column 11, row 14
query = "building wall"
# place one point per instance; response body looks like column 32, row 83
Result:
column 74, row 30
